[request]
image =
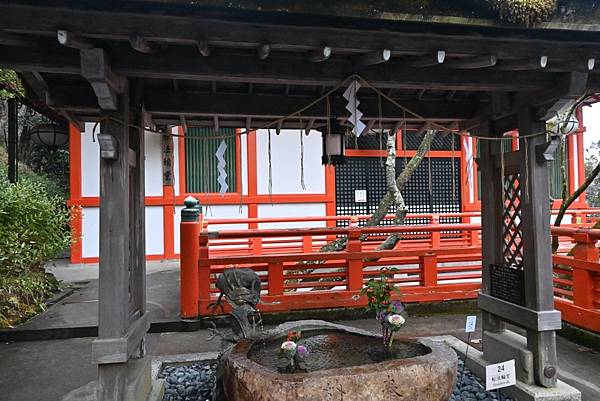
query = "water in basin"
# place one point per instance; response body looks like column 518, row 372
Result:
column 330, row 349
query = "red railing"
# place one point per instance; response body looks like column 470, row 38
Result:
column 434, row 262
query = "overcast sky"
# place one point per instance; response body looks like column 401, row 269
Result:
column 591, row 120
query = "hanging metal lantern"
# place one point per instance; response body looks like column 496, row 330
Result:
column 570, row 126
column 334, row 146
column 51, row 135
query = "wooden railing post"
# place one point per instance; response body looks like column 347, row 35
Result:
column 189, row 230
column 307, row 244
column 428, row 266
column 436, row 236
column 275, row 279
column 583, row 280
column 355, row 263
column 203, row 268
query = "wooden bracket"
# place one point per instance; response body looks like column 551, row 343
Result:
column 107, row 85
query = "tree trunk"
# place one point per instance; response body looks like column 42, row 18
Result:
column 568, row 201
column 393, row 195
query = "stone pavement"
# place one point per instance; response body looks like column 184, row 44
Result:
column 46, row 370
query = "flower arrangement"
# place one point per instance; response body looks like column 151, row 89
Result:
column 387, row 312
column 293, row 352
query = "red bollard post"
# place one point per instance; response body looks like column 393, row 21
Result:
column 189, row 230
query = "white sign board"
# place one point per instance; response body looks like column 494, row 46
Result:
column 500, row 375
column 360, row 196
column 471, row 324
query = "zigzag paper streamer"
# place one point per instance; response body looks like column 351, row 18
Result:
column 222, row 179
column 355, row 115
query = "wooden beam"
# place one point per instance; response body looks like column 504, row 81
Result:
column 158, row 102
column 11, row 39
column 141, row 44
column 37, row 83
column 216, row 124
column 530, row 63
column 562, row 96
column 203, row 48
column 319, row 55
column 402, row 39
column 176, row 64
column 429, row 60
column 73, row 40
column 376, row 57
column 107, row 85
column 264, row 50
column 472, row 62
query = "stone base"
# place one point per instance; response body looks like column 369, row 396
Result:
column 507, row 345
column 140, row 386
column 521, row 391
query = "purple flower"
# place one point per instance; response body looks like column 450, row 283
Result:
column 381, row 315
column 302, row 350
column 398, row 307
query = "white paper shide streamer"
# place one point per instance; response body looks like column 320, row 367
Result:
column 222, row 178
column 355, row 114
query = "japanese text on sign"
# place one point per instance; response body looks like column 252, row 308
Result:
column 471, row 324
column 500, row 375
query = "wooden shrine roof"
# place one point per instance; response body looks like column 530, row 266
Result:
column 223, row 63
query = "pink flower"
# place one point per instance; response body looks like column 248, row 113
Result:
column 302, row 350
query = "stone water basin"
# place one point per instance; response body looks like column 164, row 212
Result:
column 343, row 364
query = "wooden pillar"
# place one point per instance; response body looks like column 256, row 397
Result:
column 123, row 369
column 537, row 250
column 491, row 216
column 12, row 141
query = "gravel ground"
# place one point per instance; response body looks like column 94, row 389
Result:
column 195, row 383
column 189, row 382
column 470, row 388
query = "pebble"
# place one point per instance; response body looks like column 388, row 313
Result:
column 470, row 388
column 195, row 382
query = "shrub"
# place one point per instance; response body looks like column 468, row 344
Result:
column 34, row 227
column 525, row 12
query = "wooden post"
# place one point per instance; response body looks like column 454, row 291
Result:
column 491, row 217
column 428, row 266
column 436, row 236
column 583, row 280
column 119, row 351
column 275, row 280
column 537, row 250
column 203, row 273
column 189, row 285
column 355, row 263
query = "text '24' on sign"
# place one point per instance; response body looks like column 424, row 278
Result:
column 500, row 375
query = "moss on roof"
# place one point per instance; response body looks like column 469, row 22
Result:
column 565, row 14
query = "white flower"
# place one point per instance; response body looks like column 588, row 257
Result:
column 288, row 346
column 395, row 320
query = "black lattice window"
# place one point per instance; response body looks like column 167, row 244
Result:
column 371, row 141
column 512, row 251
column 441, row 141
column 429, row 190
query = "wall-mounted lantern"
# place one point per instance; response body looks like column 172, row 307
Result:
column 333, row 137
column 109, row 147
column 51, row 135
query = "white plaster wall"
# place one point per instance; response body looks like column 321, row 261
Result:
column 154, row 231
column 214, row 212
column 90, row 221
column 244, row 166
column 226, row 212
column 90, row 231
column 292, row 210
column 153, row 164
column 176, row 183
column 90, row 162
column 176, row 222
column 285, row 161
